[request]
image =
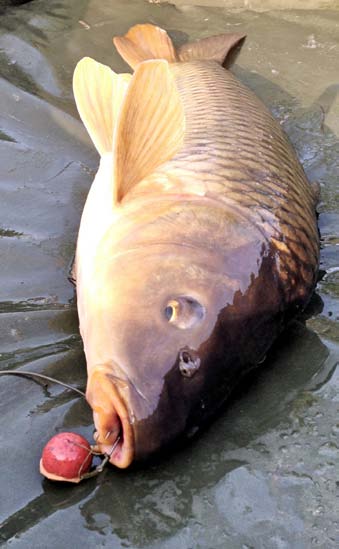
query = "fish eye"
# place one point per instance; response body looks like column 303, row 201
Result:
column 188, row 363
column 184, row 312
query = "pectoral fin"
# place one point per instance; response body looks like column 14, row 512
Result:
column 99, row 93
column 71, row 272
column 316, row 191
column 151, row 126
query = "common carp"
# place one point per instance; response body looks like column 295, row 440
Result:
column 198, row 240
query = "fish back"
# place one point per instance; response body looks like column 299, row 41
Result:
column 239, row 155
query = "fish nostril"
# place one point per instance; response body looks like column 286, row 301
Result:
column 188, row 364
column 186, row 357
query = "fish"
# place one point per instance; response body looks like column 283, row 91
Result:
column 198, row 241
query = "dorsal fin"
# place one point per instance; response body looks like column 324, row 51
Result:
column 151, row 126
column 144, row 42
column 222, row 48
column 99, row 93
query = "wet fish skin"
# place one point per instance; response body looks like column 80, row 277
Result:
column 240, row 156
column 222, row 224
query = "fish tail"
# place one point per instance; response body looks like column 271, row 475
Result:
column 144, row 42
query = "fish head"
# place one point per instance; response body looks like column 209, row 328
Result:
column 153, row 325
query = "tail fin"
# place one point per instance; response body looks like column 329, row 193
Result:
column 143, row 42
column 222, row 48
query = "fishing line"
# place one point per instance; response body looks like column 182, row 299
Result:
column 32, row 375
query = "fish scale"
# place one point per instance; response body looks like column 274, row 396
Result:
column 221, row 149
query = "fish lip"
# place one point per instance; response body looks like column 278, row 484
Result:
column 111, row 417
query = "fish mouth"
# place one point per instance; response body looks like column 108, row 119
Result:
column 114, row 433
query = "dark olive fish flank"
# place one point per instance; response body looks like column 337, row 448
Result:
column 240, row 153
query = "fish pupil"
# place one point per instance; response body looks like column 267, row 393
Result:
column 169, row 311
